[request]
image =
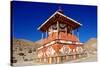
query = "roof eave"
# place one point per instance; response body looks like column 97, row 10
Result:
column 60, row 14
column 47, row 20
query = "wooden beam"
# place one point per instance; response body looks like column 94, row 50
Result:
column 57, row 30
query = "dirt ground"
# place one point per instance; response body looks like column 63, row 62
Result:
column 89, row 58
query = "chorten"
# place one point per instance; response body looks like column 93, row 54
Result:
column 60, row 43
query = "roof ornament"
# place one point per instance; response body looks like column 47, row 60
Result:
column 60, row 10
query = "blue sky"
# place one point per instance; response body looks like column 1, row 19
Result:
column 28, row 16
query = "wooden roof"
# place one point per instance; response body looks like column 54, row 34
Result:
column 61, row 18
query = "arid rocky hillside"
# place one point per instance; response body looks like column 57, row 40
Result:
column 91, row 45
column 24, row 51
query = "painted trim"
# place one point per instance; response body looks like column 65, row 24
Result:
column 61, row 41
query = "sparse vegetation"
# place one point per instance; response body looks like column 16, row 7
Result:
column 25, row 59
column 14, row 61
column 21, row 54
column 30, row 51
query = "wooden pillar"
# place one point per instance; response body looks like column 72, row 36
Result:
column 42, row 36
column 54, row 59
column 50, row 60
column 40, row 59
column 79, row 55
column 44, row 60
column 78, row 33
column 72, row 32
column 58, row 59
column 46, row 33
column 47, row 59
column 70, row 29
column 64, row 58
column 68, row 57
column 66, row 30
column 74, row 56
column 71, row 57
column 37, row 60
column 57, row 30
